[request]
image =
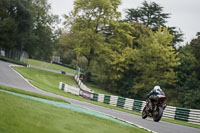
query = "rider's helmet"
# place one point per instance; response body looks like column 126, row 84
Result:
column 157, row 89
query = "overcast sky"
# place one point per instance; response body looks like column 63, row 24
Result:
column 185, row 14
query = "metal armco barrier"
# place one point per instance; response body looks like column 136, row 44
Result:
column 183, row 114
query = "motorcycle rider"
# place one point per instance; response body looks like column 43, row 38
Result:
column 153, row 94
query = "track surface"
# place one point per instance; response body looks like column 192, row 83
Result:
column 50, row 70
column 8, row 77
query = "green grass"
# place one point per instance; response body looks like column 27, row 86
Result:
column 50, row 66
column 97, row 89
column 49, row 81
column 31, row 94
column 19, row 115
column 58, row 67
column 44, row 78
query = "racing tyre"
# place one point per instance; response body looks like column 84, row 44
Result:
column 158, row 114
column 144, row 114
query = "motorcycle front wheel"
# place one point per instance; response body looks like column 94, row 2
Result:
column 158, row 114
column 144, row 114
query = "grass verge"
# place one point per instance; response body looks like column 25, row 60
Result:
column 25, row 115
column 96, row 89
column 50, row 66
column 32, row 94
column 49, row 81
column 60, row 68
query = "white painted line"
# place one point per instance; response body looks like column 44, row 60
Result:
column 24, row 78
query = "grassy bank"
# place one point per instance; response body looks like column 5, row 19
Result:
column 48, row 81
column 58, row 67
column 97, row 89
column 31, row 94
column 28, row 116
column 50, row 66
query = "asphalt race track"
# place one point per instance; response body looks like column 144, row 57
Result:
column 9, row 77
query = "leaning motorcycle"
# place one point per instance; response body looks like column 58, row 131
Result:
column 158, row 106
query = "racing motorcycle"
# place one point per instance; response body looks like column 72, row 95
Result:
column 158, row 106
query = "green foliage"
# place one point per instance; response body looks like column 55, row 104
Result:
column 151, row 14
column 188, row 75
column 97, row 12
column 195, row 46
column 156, row 60
column 66, row 48
column 88, row 23
column 43, row 38
column 15, row 23
column 28, row 25
column 135, row 70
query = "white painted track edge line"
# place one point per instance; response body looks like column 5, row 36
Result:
column 23, row 77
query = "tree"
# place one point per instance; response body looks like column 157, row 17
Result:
column 156, row 62
column 188, row 75
column 152, row 61
column 129, row 58
column 66, row 48
column 16, row 23
column 119, row 38
column 43, row 38
column 151, row 15
column 195, row 46
column 28, row 25
column 89, row 19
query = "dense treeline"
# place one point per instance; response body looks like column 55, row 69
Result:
column 127, row 57
column 28, row 25
column 188, row 73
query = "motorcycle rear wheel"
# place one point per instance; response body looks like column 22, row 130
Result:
column 158, row 115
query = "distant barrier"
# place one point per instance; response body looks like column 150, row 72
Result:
column 183, row 114
column 14, row 54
